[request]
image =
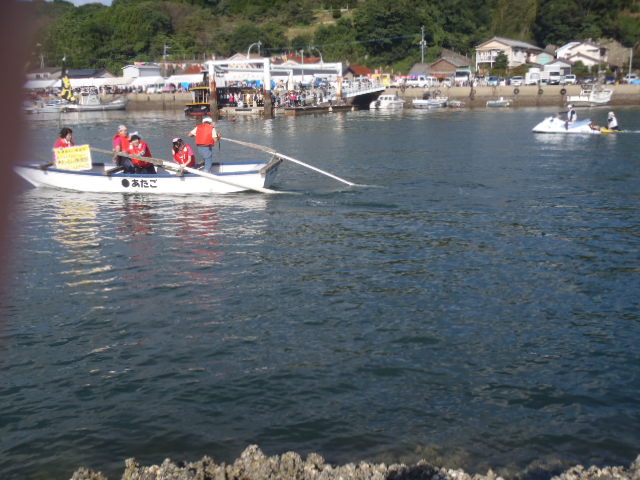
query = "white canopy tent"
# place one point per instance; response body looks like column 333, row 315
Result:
column 99, row 82
column 185, row 80
column 37, row 84
column 146, row 81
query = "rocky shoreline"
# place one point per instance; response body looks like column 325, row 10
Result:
column 253, row 464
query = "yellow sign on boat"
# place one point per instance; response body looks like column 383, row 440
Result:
column 73, row 158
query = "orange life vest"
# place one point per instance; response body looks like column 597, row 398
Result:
column 143, row 151
column 204, row 134
column 123, row 142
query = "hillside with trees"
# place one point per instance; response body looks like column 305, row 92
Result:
column 377, row 33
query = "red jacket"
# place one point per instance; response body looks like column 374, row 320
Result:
column 143, row 150
column 63, row 143
column 185, row 156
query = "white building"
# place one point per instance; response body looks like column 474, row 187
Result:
column 516, row 51
column 142, row 70
column 588, row 53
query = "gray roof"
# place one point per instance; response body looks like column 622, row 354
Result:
column 513, row 43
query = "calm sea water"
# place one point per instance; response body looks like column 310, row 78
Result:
column 476, row 305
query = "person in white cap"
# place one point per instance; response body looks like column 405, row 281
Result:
column 612, row 121
column 206, row 137
column 121, row 144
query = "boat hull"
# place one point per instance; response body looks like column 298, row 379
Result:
column 430, row 103
column 557, row 125
column 117, row 105
column 591, row 98
column 248, row 175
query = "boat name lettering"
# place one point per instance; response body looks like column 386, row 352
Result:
column 140, row 183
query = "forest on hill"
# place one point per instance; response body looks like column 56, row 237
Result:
column 376, row 33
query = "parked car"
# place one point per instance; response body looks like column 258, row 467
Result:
column 631, row 78
column 169, row 88
column 517, row 81
column 570, row 79
column 610, row 80
column 493, row 81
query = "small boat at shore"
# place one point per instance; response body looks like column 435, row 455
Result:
column 558, row 125
column 225, row 178
column 386, row 102
column 430, row 102
column 500, row 102
column 591, row 96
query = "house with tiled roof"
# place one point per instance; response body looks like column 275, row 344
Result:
column 517, row 52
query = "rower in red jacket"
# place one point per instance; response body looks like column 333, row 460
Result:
column 183, row 153
column 138, row 147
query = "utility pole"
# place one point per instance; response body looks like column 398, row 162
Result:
column 422, row 45
column 164, row 56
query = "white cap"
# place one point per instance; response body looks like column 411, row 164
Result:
column 611, row 114
column 569, row 106
column 122, row 128
column 207, row 120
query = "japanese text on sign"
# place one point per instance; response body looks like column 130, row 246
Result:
column 73, row 158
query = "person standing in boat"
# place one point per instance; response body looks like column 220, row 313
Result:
column 612, row 121
column 206, row 137
column 121, row 144
column 66, row 138
column 183, row 153
column 140, row 148
column 572, row 116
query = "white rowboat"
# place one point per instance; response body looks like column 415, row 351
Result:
column 233, row 177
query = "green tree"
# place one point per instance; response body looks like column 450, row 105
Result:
column 501, row 65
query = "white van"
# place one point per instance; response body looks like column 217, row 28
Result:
column 423, row 81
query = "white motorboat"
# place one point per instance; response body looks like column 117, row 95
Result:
column 558, row 125
column 53, row 106
column 500, row 102
column 225, row 178
column 591, row 96
column 387, row 101
column 91, row 102
column 431, row 102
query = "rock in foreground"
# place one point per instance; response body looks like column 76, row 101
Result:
column 255, row 465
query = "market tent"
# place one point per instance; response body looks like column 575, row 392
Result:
column 36, row 84
column 185, row 79
column 145, row 81
column 99, row 82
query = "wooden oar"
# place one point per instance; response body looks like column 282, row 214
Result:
column 113, row 170
column 177, row 167
column 285, row 157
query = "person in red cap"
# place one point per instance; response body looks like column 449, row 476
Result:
column 206, row 137
column 183, row 153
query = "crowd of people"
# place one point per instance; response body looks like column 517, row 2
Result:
column 130, row 150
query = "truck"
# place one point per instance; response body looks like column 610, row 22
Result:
column 532, row 77
column 422, row 81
